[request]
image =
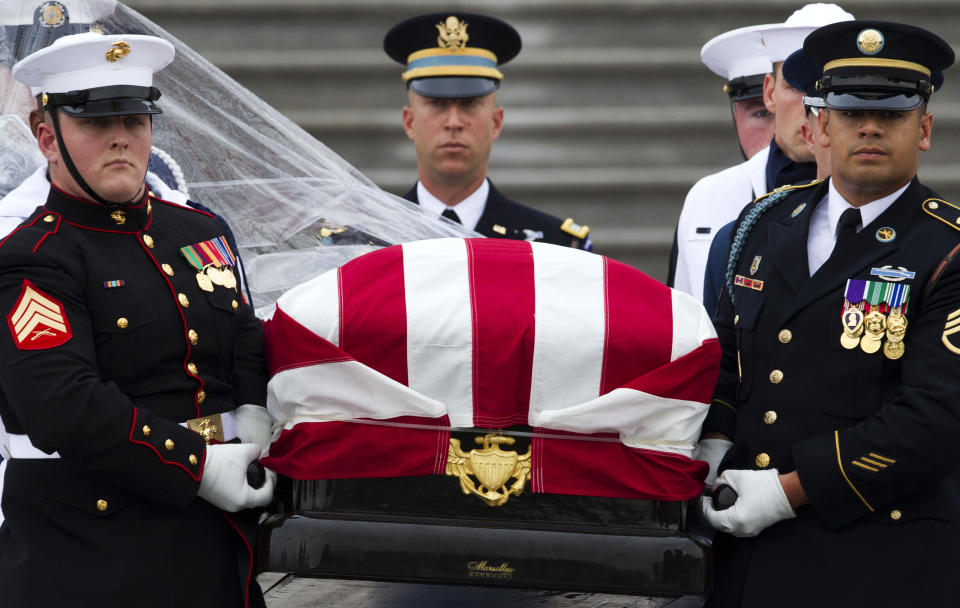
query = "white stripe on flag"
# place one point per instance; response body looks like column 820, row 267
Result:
column 440, row 324
column 316, row 305
column 642, row 420
column 343, row 390
column 691, row 324
column 570, row 327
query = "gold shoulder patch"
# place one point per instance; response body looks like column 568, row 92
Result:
column 576, row 230
column 939, row 209
column 815, row 182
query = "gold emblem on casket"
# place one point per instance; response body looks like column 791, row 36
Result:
column 492, row 468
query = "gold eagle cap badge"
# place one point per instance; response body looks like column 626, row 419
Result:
column 491, row 466
column 870, row 41
column 453, row 34
column 118, row 51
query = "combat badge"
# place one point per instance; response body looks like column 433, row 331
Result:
column 491, row 466
column 38, row 321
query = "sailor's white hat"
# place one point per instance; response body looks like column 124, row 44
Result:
column 738, row 56
column 782, row 39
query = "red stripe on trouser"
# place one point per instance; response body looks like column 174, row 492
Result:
column 639, row 328
column 597, row 468
column 692, row 377
column 502, row 299
column 373, row 318
column 288, row 344
column 339, row 450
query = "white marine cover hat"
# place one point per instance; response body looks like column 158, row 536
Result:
column 96, row 75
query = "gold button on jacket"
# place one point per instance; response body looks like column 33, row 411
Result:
column 776, row 376
column 785, row 336
column 762, row 460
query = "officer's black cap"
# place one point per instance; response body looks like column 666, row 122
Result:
column 877, row 65
column 452, row 54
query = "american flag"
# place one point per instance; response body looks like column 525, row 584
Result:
column 372, row 364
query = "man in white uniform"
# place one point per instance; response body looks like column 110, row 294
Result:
column 717, row 199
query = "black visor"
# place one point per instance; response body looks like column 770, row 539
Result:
column 902, row 102
column 107, row 101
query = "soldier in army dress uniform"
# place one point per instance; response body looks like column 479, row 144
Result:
column 838, row 385
column 132, row 368
column 453, row 118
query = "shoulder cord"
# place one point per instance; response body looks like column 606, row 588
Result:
column 743, row 231
column 174, row 169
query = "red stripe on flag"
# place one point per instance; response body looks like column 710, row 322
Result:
column 639, row 329
column 692, row 377
column 599, row 468
column 502, row 299
column 288, row 344
column 373, row 304
column 340, row 450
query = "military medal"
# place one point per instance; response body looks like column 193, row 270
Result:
column 852, row 327
column 875, row 323
column 229, row 281
column 214, row 263
column 204, row 282
column 852, row 317
column 896, row 322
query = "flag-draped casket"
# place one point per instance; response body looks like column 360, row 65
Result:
column 374, row 363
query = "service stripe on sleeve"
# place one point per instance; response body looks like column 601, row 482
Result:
column 439, row 324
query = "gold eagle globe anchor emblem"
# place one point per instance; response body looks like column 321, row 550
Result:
column 491, row 466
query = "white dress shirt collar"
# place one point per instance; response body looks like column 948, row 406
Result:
column 836, row 205
column 469, row 210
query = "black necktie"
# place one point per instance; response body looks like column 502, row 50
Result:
column 451, row 215
column 847, row 226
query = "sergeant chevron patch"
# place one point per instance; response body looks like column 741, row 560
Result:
column 952, row 327
column 37, row 321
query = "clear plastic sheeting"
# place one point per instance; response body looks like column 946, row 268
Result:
column 19, row 155
column 295, row 207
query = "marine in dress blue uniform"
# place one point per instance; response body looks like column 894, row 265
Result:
column 127, row 369
column 456, row 58
column 838, row 384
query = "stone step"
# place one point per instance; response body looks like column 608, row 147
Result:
column 613, row 136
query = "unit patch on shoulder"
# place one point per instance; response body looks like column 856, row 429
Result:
column 37, row 321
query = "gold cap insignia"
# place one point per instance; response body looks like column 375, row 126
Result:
column 870, row 41
column 53, row 14
column 491, row 466
column 453, row 34
column 118, row 51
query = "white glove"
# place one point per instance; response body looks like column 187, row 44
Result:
column 254, row 425
column 760, row 504
column 712, row 451
column 224, row 481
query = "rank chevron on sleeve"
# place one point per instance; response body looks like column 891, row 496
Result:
column 37, row 320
